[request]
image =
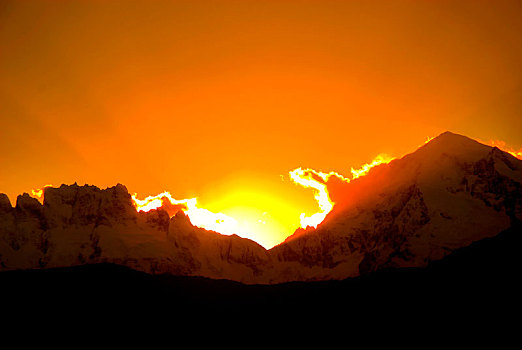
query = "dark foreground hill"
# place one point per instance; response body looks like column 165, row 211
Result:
column 483, row 278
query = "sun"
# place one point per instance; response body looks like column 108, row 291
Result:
column 260, row 215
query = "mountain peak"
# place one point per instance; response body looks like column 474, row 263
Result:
column 452, row 145
column 448, row 133
column 25, row 201
column 5, row 203
column 449, row 137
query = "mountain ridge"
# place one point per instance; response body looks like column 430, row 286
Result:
column 449, row 193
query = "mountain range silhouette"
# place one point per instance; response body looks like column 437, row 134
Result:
column 445, row 217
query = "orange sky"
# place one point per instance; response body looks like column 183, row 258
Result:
column 217, row 99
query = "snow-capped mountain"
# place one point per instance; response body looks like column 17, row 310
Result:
column 83, row 225
column 447, row 194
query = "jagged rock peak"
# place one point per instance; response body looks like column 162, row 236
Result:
column 120, row 188
column 65, row 191
column 26, row 202
column 87, row 204
column 181, row 220
column 5, row 203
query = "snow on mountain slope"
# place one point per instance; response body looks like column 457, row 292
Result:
column 447, row 194
column 450, row 192
column 83, row 224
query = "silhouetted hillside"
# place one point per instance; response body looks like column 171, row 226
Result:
column 484, row 276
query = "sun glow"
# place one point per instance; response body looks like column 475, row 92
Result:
column 380, row 159
column 239, row 212
column 38, row 193
column 310, row 178
column 198, row 216
column 317, row 180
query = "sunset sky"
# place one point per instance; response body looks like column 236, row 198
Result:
column 221, row 99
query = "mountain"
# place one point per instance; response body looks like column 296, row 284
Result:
column 451, row 192
column 79, row 225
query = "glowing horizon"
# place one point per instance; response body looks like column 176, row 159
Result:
column 250, row 222
column 249, row 228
